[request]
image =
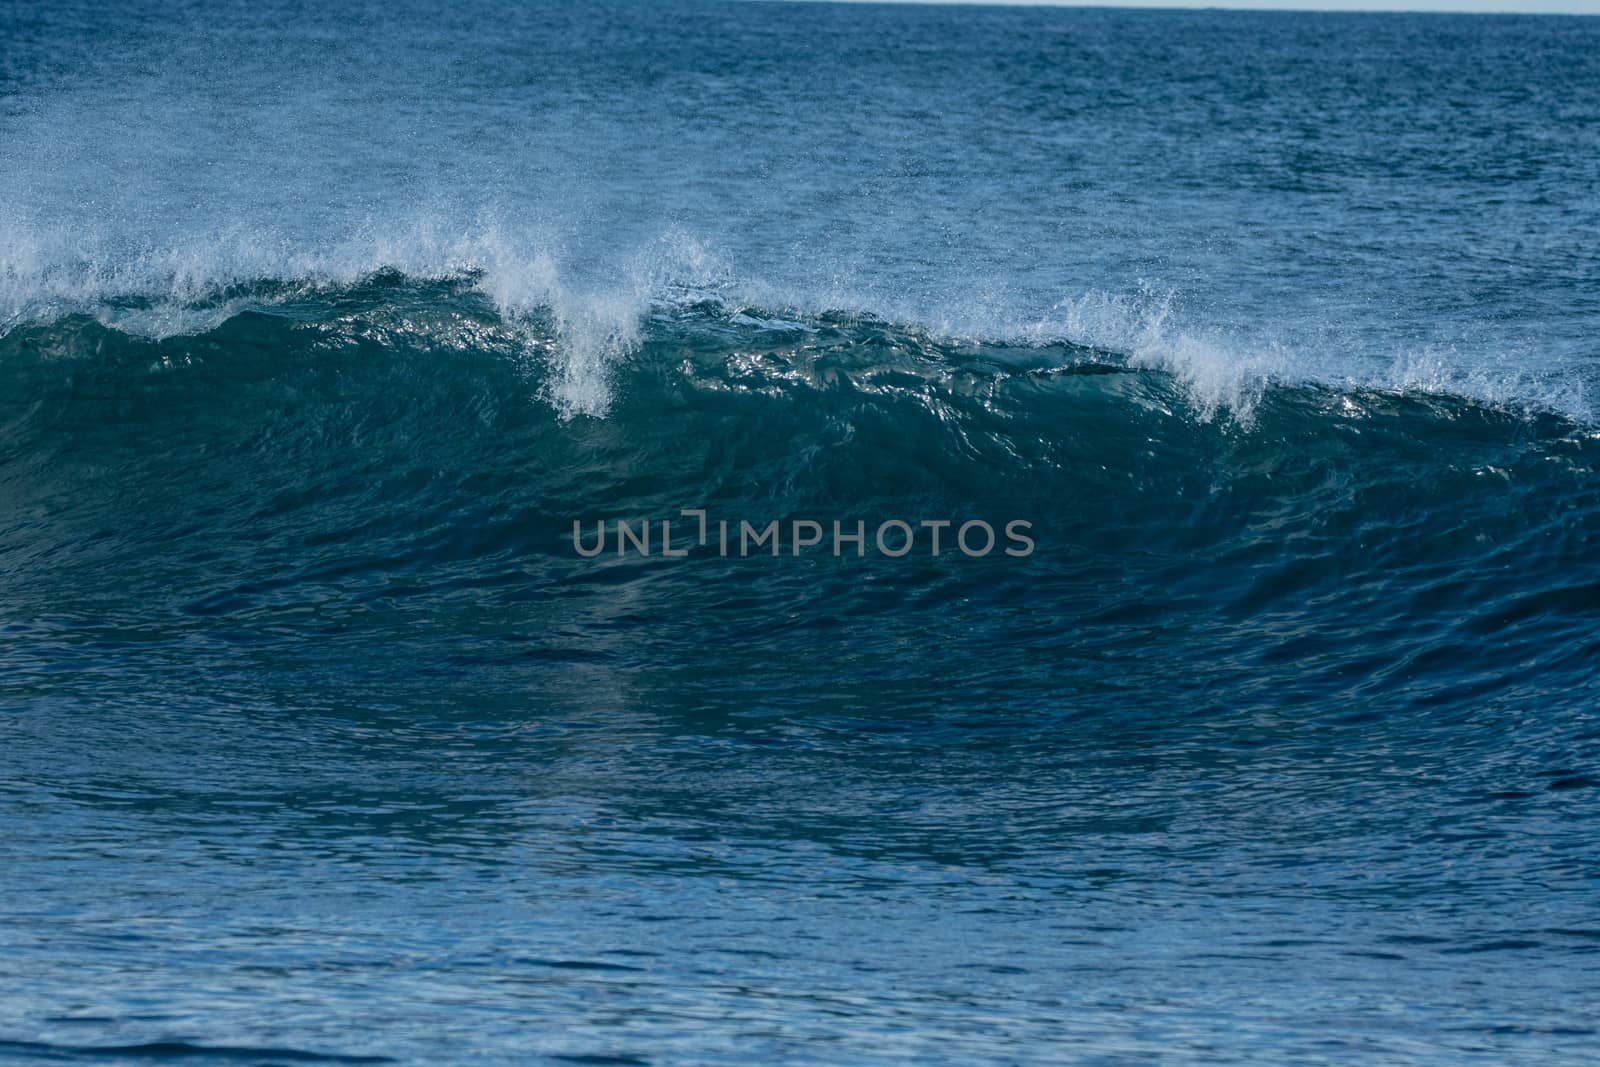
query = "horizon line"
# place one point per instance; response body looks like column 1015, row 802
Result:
column 1355, row 7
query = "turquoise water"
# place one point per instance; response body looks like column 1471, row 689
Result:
column 322, row 739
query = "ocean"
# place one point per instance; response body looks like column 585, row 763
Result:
column 721, row 533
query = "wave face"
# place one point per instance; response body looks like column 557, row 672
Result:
column 323, row 736
column 403, row 435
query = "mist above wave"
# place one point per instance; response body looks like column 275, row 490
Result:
column 581, row 322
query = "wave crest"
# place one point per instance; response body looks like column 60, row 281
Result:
column 581, row 324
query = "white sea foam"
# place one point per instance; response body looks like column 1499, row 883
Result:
column 598, row 310
column 187, row 287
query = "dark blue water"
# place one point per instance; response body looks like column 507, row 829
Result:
column 321, row 738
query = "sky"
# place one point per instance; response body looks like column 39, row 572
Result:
column 1527, row 7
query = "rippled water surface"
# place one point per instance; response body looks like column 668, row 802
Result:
column 321, row 739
